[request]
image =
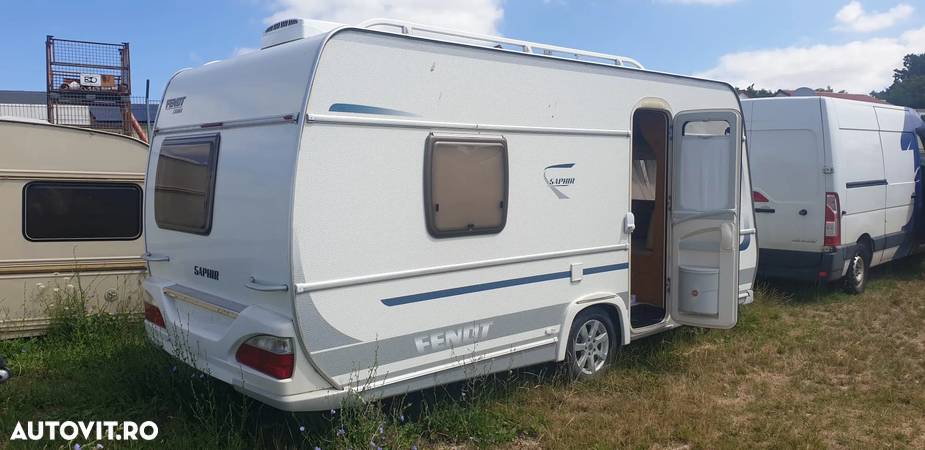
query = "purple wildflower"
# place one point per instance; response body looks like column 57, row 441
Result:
column 341, row 431
column 302, row 428
column 76, row 446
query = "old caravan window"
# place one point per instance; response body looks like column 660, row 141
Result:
column 73, row 211
column 184, row 188
column 465, row 185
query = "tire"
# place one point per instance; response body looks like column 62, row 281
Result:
column 584, row 361
column 858, row 270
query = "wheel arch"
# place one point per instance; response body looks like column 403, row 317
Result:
column 613, row 304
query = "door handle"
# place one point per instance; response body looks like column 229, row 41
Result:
column 150, row 257
column 727, row 236
column 629, row 223
column 256, row 285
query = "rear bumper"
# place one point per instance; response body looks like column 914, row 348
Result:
column 207, row 341
column 803, row 266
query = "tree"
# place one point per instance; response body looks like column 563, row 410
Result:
column 908, row 88
column 751, row 92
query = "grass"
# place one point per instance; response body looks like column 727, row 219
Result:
column 807, row 367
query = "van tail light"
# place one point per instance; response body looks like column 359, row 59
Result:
column 153, row 315
column 268, row 354
column 759, row 197
column 832, row 235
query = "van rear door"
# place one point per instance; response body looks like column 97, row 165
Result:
column 705, row 184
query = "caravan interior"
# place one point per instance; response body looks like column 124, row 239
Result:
column 649, row 206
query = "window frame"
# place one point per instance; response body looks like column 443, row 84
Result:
column 214, row 141
column 92, row 183
column 433, row 139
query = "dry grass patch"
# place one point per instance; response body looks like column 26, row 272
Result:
column 807, row 367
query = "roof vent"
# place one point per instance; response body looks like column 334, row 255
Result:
column 294, row 29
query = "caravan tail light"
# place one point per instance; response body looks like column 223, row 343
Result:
column 268, row 354
column 758, row 197
column 832, row 220
column 153, row 315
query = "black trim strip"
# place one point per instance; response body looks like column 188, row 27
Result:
column 866, row 183
column 765, row 210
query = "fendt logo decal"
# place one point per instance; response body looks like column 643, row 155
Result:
column 205, row 272
column 452, row 338
column 174, row 105
column 558, row 177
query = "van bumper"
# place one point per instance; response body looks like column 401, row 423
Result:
column 803, row 266
column 209, row 345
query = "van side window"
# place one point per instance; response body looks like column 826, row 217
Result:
column 81, row 211
column 184, row 187
column 465, row 185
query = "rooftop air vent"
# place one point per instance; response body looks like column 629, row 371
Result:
column 292, row 30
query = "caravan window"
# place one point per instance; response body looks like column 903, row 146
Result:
column 465, row 185
column 705, row 183
column 78, row 211
column 184, row 187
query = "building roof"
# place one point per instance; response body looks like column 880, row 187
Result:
column 22, row 97
column 113, row 114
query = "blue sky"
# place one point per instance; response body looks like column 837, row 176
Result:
column 850, row 45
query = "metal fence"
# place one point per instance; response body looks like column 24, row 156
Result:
column 92, row 112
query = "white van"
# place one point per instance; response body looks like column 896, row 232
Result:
column 370, row 211
column 837, row 187
column 72, row 199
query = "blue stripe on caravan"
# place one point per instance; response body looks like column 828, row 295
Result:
column 414, row 298
column 366, row 109
column 745, row 243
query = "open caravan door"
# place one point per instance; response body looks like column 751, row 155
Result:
column 704, row 285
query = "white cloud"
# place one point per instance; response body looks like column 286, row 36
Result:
column 481, row 16
column 858, row 66
column 238, row 51
column 702, row 2
column 853, row 17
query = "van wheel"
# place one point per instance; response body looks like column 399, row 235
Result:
column 591, row 344
column 858, row 269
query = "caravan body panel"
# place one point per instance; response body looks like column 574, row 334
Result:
column 319, row 223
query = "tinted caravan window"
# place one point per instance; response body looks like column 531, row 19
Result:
column 466, row 181
column 76, row 211
column 184, row 187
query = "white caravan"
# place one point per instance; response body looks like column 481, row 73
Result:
column 377, row 212
column 837, row 187
column 73, row 220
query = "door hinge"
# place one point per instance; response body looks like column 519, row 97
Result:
column 828, row 170
column 667, row 285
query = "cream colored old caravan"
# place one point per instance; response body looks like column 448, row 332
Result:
column 72, row 201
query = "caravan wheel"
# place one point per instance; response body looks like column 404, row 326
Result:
column 591, row 343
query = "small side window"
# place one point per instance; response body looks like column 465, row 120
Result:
column 465, row 185
column 81, row 211
column 184, row 186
